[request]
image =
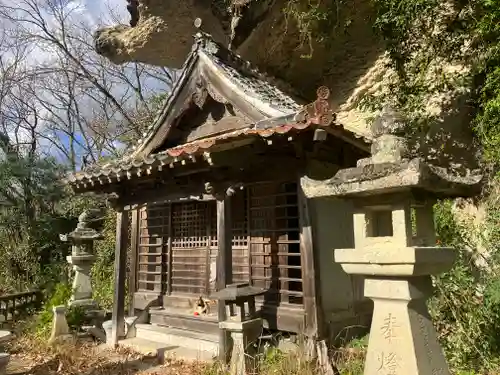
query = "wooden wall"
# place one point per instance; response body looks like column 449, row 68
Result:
column 177, row 244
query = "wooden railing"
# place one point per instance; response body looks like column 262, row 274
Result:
column 18, row 305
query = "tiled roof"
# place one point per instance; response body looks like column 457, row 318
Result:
column 257, row 87
column 248, row 78
column 181, row 78
column 238, row 71
column 129, row 168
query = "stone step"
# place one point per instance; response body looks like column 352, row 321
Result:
column 146, row 347
column 162, row 350
column 206, row 344
column 179, row 319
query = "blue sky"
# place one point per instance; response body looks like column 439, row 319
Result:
column 108, row 12
column 98, row 10
column 93, row 14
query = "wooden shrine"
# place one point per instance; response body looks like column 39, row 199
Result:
column 212, row 196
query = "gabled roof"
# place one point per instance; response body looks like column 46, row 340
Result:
column 314, row 115
column 211, row 69
column 226, row 78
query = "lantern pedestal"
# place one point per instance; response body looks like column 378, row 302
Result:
column 60, row 329
column 397, row 279
column 242, row 324
column 402, row 337
column 82, row 283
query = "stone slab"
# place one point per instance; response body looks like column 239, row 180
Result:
column 201, row 342
column 163, row 350
column 5, row 336
column 232, row 325
column 385, row 178
column 234, row 292
column 81, row 259
column 391, row 261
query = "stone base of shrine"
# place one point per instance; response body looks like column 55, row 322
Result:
column 165, row 342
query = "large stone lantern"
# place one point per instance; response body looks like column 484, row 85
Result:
column 82, row 258
column 395, row 247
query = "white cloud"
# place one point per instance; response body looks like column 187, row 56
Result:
column 108, row 12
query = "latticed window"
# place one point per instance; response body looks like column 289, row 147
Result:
column 275, row 241
column 178, row 244
column 154, row 231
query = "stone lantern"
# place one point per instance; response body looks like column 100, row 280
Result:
column 82, row 258
column 395, row 247
column 5, row 336
column 242, row 323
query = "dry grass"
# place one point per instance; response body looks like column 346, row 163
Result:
column 273, row 362
column 32, row 357
column 35, row 358
column 350, row 358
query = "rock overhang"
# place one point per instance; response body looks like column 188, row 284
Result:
column 352, row 64
column 160, row 33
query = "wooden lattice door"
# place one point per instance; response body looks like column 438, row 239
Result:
column 177, row 247
column 153, row 235
column 275, row 241
column 192, row 239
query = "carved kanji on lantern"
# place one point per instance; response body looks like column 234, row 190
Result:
column 319, row 111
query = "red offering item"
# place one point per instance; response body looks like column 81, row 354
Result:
column 196, row 313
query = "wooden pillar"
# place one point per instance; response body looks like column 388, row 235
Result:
column 310, row 275
column 224, row 265
column 118, row 318
column 134, row 248
column 169, row 251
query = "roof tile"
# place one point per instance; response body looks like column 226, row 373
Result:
column 180, row 152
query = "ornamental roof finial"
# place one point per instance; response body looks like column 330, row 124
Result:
column 198, row 22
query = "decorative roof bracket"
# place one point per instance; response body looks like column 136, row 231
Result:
column 319, row 111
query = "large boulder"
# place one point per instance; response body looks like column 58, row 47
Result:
column 333, row 45
column 336, row 52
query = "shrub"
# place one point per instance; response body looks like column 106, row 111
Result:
column 103, row 269
column 61, row 296
column 465, row 307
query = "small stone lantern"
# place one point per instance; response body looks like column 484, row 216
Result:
column 395, row 247
column 82, row 258
column 242, row 323
column 60, row 330
column 5, row 336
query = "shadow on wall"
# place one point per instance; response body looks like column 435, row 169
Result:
column 449, row 141
column 347, row 50
column 345, row 310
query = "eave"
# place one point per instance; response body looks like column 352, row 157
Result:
column 188, row 153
